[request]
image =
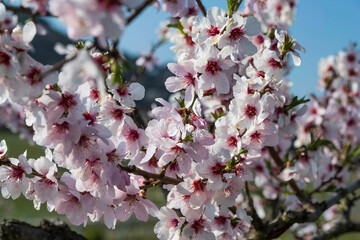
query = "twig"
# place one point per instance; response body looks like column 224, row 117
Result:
column 164, row 179
column 284, row 221
column 257, row 222
column 337, row 230
column 201, row 6
column 297, row 191
column 26, row 11
column 139, row 10
column 57, row 66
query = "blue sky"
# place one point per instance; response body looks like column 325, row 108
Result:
column 323, row 27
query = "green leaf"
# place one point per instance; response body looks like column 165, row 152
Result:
column 243, row 150
column 125, row 65
column 330, row 188
column 216, row 115
column 179, row 26
column 181, row 102
column 117, row 77
column 233, row 6
column 355, row 152
column 296, row 102
column 231, row 164
column 319, row 143
column 188, row 138
column 80, row 45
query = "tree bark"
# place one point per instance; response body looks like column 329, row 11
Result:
column 48, row 230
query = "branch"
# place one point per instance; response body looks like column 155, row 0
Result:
column 283, row 222
column 257, row 222
column 25, row 10
column 137, row 171
column 57, row 66
column 201, row 6
column 297, row 191
column 139, row 10
column 13, row 229
column 337, row 230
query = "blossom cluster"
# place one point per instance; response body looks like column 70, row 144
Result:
column 231, row 110
column 332, row 164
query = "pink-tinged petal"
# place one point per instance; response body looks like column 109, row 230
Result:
column 151, row 207
column 177, row 69
column 140, row 212
column 75, row 215
column 173, row 84
column 123, row 212
column 109, row 218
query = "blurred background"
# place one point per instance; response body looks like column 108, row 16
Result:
column 323, row 27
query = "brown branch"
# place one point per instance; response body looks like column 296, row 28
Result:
column 284, row 221
column 139, row 10
column 337, row 230
column 137, row 171
column 297, row 191
column 57, row 66
column 25, row 10
column 201, row 6
column 13, row 230
column 257, row 222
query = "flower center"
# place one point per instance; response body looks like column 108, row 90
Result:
column 255, row 136
column 250, row 111
column 199, row 185
column 67, row 101
column 220, row 220
column 274, row 64
column 350, row 58
column 217, row 169
column 198, row 225
column 89, row 117
column 213, row 31
column 133, row 135
column 17, row 172
column 188, row 40
column 232, row 142
column 236, row 33
column 117, row 114
column 189, row 80
column 4, row 59
column 212, row 67
column 61, row 128
column 174, row 222
column 33, row 75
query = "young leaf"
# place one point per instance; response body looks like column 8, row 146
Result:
column 296, row 102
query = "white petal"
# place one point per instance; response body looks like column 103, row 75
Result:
column 2, row 12
column 137, row 91
column 296, row 58
column 29, row 32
